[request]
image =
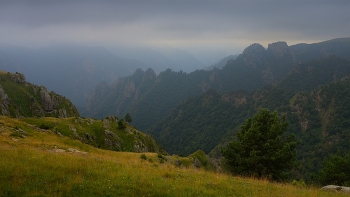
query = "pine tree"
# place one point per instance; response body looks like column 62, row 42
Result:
column 261, row 150
column 128, row 118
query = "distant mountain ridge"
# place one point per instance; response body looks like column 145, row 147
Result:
column 149, row 102
column 222, row 63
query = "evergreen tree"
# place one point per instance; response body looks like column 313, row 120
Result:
column 261, row 149
column 128, row 118
column 335, row 170
column 121, row 124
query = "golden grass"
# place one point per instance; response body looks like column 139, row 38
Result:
column 32, row 166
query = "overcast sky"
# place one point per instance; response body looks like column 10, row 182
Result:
column 227, row 25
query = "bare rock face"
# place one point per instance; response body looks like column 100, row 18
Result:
column 4, row 102
column 63, row 113
column 112, row 140
column 140, row 147
column 18, row 78
column 47, row 101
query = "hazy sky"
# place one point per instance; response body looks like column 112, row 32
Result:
column 227, row 25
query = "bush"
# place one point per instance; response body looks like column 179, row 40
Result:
column 44, row 126
column 143, row 156
column 161, row 158
column 300, row 183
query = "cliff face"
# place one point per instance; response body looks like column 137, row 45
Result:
column 18, row 98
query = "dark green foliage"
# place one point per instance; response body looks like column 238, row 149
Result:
column 45, row 126
column 200, row 123
column 161, row 158
column 143, row 156
column 128, row 118
column 261, row 148
column 312, row 74
column 121, row 124
column 203, row 159
column 335, row 170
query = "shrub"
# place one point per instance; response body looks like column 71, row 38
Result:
column 300, row 183
column 143, row 156
column 44, row 126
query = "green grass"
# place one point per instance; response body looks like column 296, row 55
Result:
column 127, row 137
column 33, row 166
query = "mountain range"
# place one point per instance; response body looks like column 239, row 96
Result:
column 203, row 109
column 308, row 83
column 74, row 70
column 150, row 97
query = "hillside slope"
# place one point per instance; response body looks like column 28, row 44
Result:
column 19, row 98
column 45, row 164
column 109, row 133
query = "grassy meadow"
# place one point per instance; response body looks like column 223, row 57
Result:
column 45, row 164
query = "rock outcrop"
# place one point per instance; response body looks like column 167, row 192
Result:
column 4, row 101
column 336, row 188
column 47, row 101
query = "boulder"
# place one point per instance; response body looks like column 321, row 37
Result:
column 336, row 188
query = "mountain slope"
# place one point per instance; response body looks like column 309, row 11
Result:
column 316, row 111
column 106, row 133
column 44, row 164
column 18, row 98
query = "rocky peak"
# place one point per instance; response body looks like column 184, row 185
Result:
column 254, row 48
column 253, row 55
column 149, row 74
column 281, row 50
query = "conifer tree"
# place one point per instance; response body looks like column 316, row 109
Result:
column 261, row 148
column 128, row 118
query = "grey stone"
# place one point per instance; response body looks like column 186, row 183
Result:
column 336, row 188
